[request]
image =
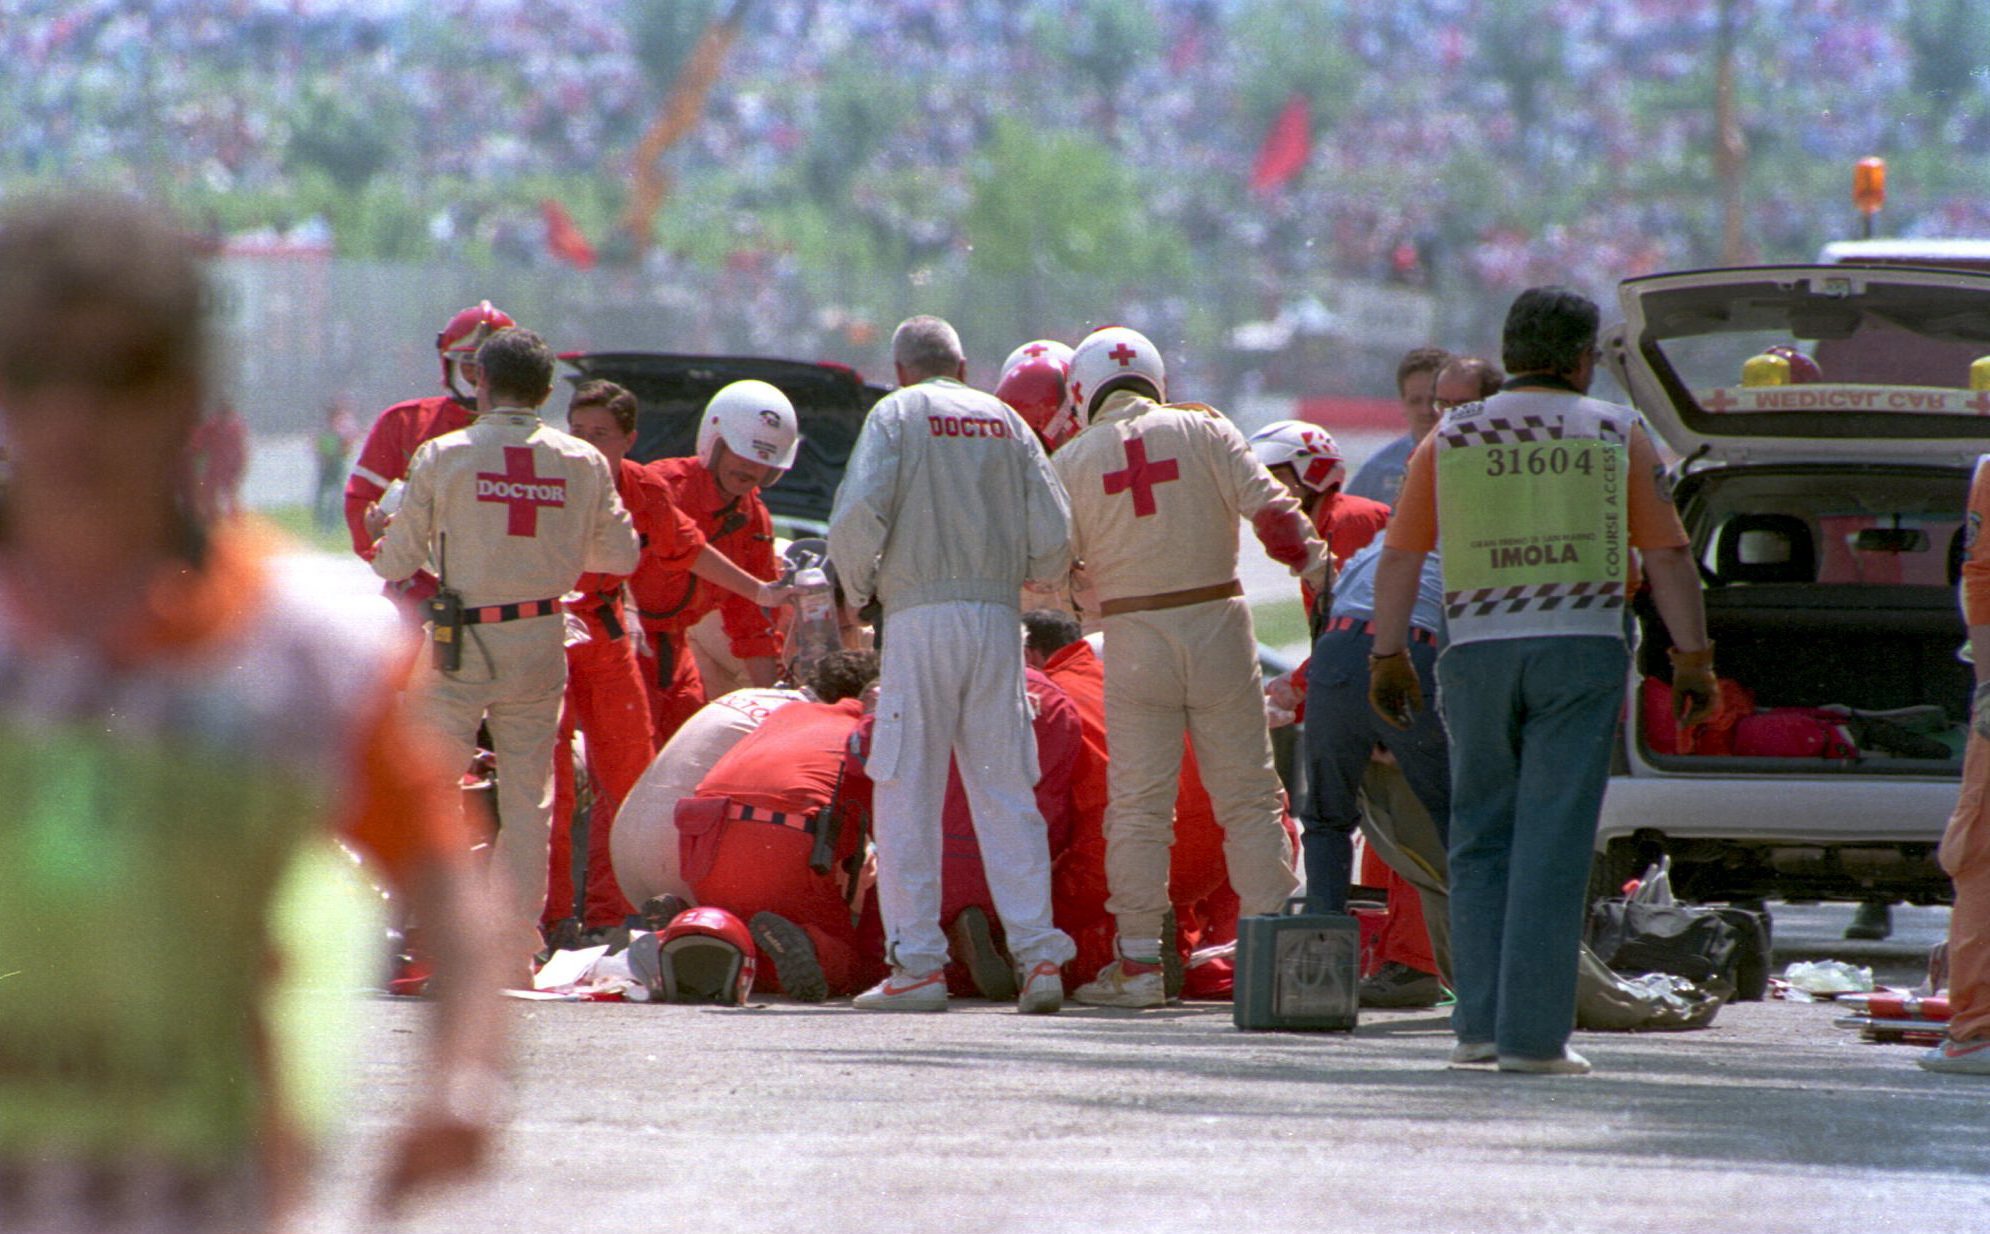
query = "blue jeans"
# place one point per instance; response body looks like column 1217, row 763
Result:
column 1531, row 723
column 1341, row 732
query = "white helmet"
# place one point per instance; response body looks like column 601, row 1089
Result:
column 1307, row 448
column 1106, row 355
column 1038, row 349
column 755, row 420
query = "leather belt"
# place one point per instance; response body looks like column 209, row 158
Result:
column 1171, row 599
column 1367, row 627
column 485, row 614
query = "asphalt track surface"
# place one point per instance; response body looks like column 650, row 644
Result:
column 818, row 1119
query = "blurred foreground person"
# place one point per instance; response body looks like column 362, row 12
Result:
column 184, row 725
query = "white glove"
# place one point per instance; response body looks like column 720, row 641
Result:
column 1279, row 693
column 1979, row 710
column 772, row 595
column 1276, row 716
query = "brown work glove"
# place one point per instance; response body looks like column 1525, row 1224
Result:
column 1694, row 689
column 1393, row 689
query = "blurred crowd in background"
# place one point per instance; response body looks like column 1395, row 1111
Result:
column 1226, row 158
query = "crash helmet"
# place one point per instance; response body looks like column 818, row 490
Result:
column 1107, row 356
column 755, row 420
column 1035, row 389
column 1038, row 349
column 706, row 956
column 1803, row 368
column 458, row 341
column 1306, row 448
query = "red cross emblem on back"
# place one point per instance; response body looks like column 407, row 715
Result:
column 1124, row 354
column 522, row 489
column 1721, row 401
column 1141, row 476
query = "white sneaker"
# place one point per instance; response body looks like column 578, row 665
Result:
column 1473, row 1054
column 1567, row 1063
column 1043, row 989
column 1124, row 983
column 1970, row 1057
column 903, row 992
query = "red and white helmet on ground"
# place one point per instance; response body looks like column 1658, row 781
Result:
column 1039, row 349
column 458, row 341
column 706, row 955
column 1306, row 448
column 1105, row 357
column 755, row 420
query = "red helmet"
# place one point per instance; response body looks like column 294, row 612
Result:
column 458, row 341
column 1803, row 369
column 706, row 956
column 1035, row 388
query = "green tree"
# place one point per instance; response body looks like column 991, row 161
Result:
column 1102, row 42
column 1520, row 43
column 1951, row 47
column 664, row 32
column 1294, row 49
column 1054, row 218
column 858, row 107
column 336, row 136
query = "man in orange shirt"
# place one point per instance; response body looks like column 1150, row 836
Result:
column 605, row 699
column 746, row 441
column 1561, row 487
column 391, row 443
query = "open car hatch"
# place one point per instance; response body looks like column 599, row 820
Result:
column 1877, row 362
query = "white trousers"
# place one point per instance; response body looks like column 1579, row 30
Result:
column 513, row 676
column 1190, row 670
column 952, row 685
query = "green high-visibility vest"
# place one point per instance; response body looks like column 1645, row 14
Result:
column 1531, row 516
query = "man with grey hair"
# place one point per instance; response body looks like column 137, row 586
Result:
column 948, row 505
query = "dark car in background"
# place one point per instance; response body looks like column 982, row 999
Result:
column 830, row 401
column 671, row 391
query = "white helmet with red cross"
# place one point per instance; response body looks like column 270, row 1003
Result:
column 1306, row 448
column 755, row 420
column 1107, row 357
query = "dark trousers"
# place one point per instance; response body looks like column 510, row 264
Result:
column 1341, row 733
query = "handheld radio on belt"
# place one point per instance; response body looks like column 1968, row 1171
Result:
column 445, row 615
column 829, row 822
